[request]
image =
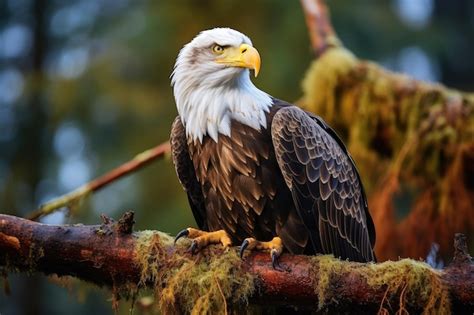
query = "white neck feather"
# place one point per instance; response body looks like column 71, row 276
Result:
column 207, row 108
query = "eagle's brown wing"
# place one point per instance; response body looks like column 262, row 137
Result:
column 325, row 185
column 186, row 174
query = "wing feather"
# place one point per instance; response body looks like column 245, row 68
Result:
column 325, row 184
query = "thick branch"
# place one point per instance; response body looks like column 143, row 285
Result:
column 109, row 254
column 321, row 32
column 77, row 195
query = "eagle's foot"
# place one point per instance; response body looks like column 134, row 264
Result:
column 275, row 246
column 202, row 238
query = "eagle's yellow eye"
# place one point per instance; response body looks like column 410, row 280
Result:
column 217, row 49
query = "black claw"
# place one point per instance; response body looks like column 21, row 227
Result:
column 244, row 245
column 182, row 233
column 194, row 247
column 275, row 263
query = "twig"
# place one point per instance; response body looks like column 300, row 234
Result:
column 402, row 310
column 222, row 294
column 77, row 195
column 382, row 310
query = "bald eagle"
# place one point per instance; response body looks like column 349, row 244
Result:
column 259, row 171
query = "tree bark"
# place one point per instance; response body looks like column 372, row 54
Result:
column 106, row 256
column 321, row 32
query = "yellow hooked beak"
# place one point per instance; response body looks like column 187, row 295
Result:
column 244, row 56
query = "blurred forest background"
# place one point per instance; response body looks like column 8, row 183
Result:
column 84, row 86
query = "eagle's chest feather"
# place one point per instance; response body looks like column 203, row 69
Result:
column 239, row 177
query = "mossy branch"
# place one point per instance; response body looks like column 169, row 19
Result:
column 113, row 255
column 411, row 141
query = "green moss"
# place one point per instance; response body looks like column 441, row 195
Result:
column 421, row 282
column 408, row 280
column 199, row 284
column 322, row 78
column 326, row 267
column 369, row 105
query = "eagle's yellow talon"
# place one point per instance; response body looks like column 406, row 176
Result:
column 202, row 238
column 275, row 246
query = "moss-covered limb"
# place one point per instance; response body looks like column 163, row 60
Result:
column 411, row 140
column 111, row 255
column 72, row 199
column 383, row 114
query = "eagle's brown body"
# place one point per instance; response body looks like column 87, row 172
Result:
column 293, row 179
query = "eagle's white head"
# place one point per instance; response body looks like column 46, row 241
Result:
column 212, row 87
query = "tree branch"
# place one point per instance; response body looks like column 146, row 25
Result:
column 407, row 137
column 74, row 197
column 111, row 255
column 321, row 32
